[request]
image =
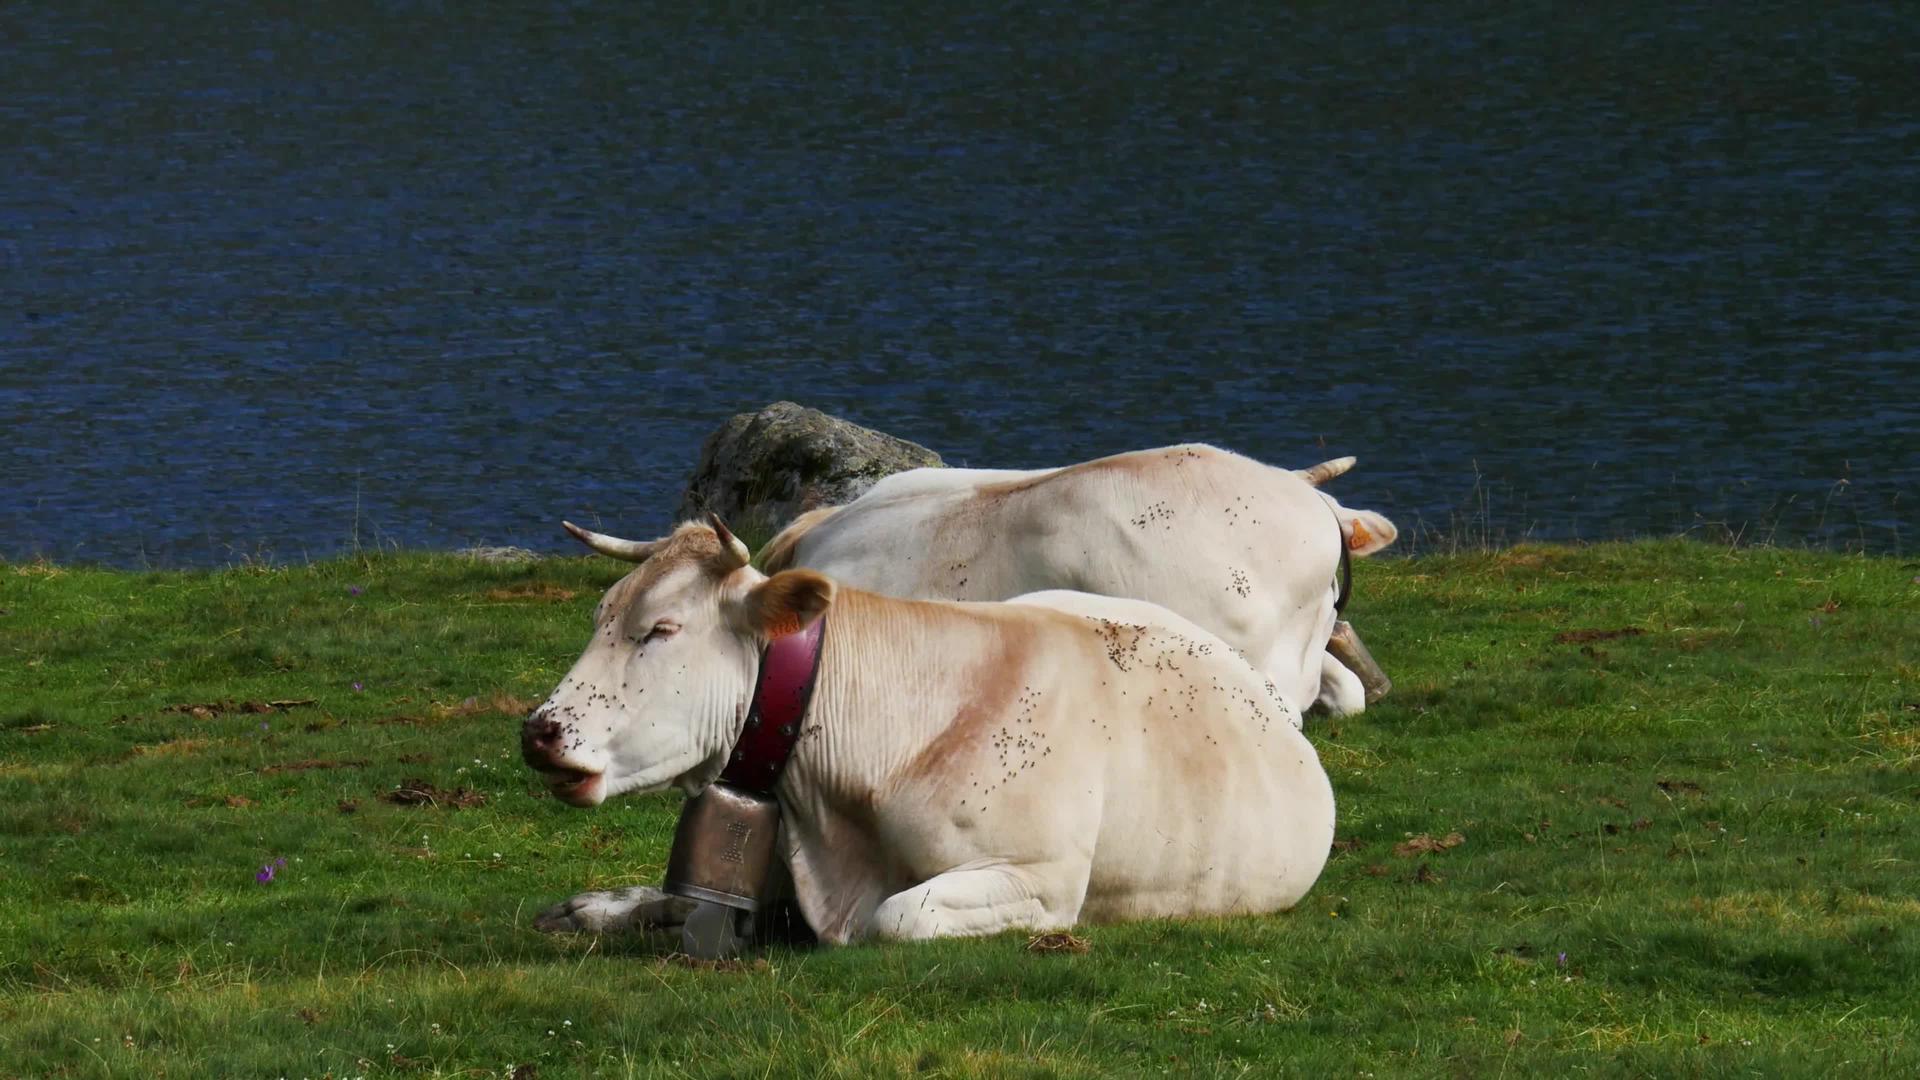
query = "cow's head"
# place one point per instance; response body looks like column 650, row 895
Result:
column 661, row 693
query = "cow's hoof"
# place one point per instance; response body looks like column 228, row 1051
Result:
column 641, row 907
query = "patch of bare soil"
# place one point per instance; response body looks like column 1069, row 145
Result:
column 1424, row 845
column 500, row 702
column 683, row 960
column 1057, row 941
column 1582, row 637
column 307, row 764
column 1680, row 787
column 541, row 591
column 236, row 802
column 416, row 792
column 212, row 709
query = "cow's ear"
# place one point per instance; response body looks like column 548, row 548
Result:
column 1366, row 532
column 788, row 602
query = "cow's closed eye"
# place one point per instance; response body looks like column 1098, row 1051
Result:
column 662, row 630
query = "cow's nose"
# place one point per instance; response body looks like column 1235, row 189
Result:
column 539, row 739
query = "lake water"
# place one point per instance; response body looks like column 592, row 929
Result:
column 434, row 274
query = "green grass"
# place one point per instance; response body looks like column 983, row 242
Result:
column 1714, row 820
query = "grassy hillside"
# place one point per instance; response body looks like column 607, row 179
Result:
column 1640, row 809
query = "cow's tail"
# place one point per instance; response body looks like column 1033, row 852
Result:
column 779, row 553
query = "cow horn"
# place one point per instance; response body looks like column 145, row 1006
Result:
column 1326, row 470
column 734, row 553
column 628, row 550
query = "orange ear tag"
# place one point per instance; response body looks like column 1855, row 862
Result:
column 1360, row 537
column 789, row 624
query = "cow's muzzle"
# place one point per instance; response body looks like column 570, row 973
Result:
column 543, row 747
column 541, row 739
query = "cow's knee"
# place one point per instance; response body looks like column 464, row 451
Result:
column 641, row 907
column 970, row 903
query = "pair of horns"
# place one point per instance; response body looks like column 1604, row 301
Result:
column 734, row 554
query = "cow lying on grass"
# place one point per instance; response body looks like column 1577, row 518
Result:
column 964, row 768
column 1251, row 552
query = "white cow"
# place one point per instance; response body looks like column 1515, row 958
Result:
column 1246, row 550
column 964, row 768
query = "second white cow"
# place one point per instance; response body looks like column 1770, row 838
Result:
column 1251, row 552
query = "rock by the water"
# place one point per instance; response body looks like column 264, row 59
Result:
column 761, row 469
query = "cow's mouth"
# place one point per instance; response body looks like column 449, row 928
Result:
column 576, row 786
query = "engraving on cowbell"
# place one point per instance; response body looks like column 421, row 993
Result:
column 736, row 849
column 723, row 847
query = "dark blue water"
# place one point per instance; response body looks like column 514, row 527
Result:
column 444, row 273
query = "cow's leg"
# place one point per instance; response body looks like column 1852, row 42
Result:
column 966, row 903
column 641, row 907
column 1341, row 691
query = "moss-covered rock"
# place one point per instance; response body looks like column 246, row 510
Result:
column 760, row 469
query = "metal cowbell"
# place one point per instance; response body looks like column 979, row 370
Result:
column 723, row 847
column 1346, row 647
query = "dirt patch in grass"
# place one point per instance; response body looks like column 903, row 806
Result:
column 541, row 591
column 234, row 802
column 1057, row 941
column 212, row 709
column 685, row 961
column 416, row 792
column 501, row 702
column 306, row 764
column 1582, row 637
column 1424, row 845
column 172, row 748
column 1680, row 787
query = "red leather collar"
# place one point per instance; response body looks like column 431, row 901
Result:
column 788, row 667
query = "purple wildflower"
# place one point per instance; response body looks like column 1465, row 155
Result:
column 357, row 688
column 353, row 590
column 265, row 875
column 281, row 863
column 1563, row 960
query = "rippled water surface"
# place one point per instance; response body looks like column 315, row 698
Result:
column 442, row 273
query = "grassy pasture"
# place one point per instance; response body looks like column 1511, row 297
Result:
column 1642, row 809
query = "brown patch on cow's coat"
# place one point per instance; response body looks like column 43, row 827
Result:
column 1132, row 463
column 996, row 679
